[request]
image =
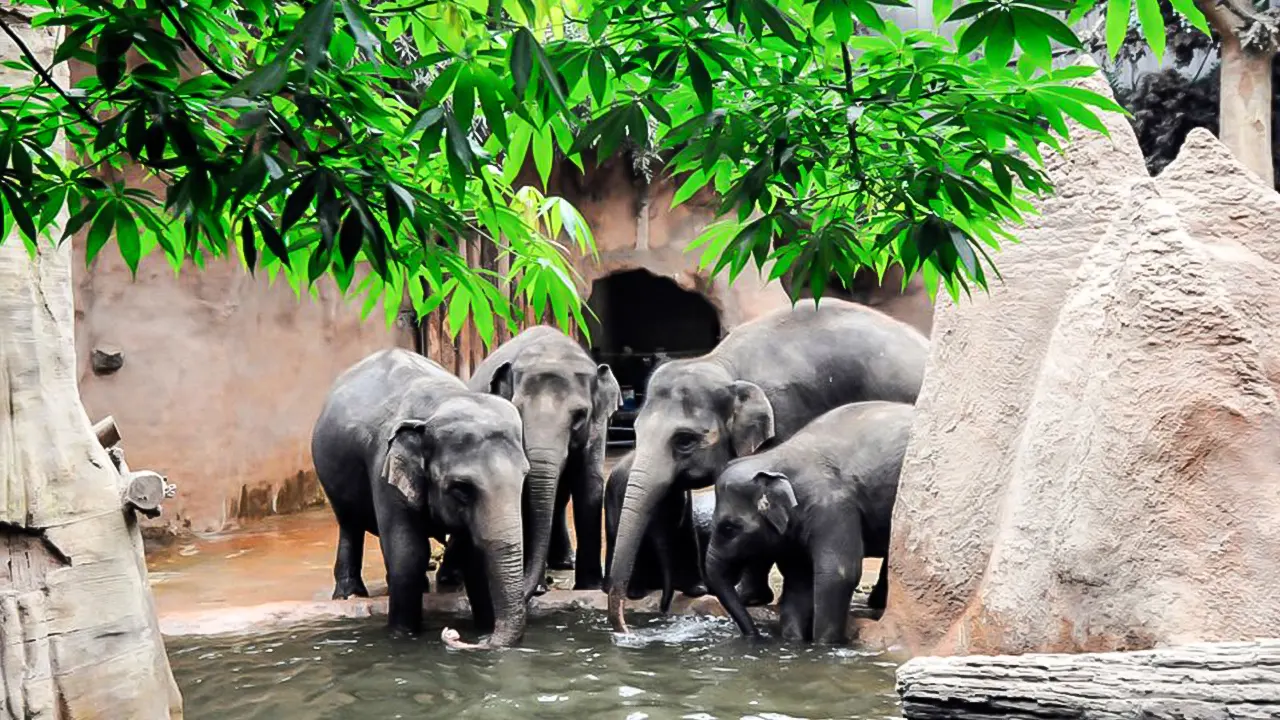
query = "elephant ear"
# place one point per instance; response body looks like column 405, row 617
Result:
column 776, row 499
column 608, row 395
column 503, row 383
column 751, row 422
column 405, row 467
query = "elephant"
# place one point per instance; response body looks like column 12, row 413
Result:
column 670, row 558
column 565, row 401
column 764, row 381
column 404, row 450
column 816, row 504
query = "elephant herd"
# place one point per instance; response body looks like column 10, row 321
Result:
column 799, row 420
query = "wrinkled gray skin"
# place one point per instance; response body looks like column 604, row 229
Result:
column 405, row 451
column 766, row 379
column 670, row 557
column 816, row 505
column 565, row 401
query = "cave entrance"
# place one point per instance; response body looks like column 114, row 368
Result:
column 640, row 321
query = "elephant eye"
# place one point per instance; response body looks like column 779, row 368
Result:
column 578, row 417
column 462, row 490
column 728, row 528
column 684, row 442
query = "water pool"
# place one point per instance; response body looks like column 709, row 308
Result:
column 569, row 666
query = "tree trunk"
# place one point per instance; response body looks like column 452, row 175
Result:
column 1207, row 681
column 1247, row 48
column 78, row 631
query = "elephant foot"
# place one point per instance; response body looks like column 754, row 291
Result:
column 401, row 633
column 757, row 597
column 636, row 594
column 350, row 588
column 447, row 581
column 541, row 589
column 562, row 563
column 694, row 590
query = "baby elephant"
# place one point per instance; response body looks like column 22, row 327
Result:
column 816, row 504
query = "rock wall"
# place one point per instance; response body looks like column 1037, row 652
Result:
column 1094, row 464
column 223, row 376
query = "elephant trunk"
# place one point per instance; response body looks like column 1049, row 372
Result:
column 644, row 490
column 721, row 579
column 503, row 555
column 545, row 467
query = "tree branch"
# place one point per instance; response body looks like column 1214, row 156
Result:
column 44, row 75
column 1238, row 21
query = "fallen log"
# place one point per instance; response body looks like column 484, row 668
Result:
column 107, row 432
column 1205, row 681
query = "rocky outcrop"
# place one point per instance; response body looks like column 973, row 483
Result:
column 1094, row 464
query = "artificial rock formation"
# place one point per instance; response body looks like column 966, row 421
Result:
column 1095, row 464
column 78, row 632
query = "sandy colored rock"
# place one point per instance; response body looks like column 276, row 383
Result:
column 1094, row 465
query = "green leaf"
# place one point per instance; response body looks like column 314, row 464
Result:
column 494, row 113
column 21, row 163
column 315, row 30
column 597, row 24
column 127, row 239
column 867, row 15
column 20, row 213
column 1117, row 25
column 1053, row 27
column 1035, row 43
column 701, row 80
column 1000, row 40
column 464, row 98
column 1152, row 26
column 299, row 200
column 100, row 231
column 941, row 9
column 248, row 248
column 695, row 182
column 359, row 30
column 598, row 76
column 271, row 238
column 521, row 59
column 350, row 238
column 1189, row 10
column 777, row 22
column 459, row 303
column 79, row 219
column 968, row 10
column 973, row 35
column 543, row 152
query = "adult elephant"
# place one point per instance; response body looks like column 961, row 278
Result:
column 670, row 555
column 765, row 380
column 565, row 401
column 405, row 451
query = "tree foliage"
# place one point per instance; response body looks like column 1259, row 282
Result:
column 294, row 135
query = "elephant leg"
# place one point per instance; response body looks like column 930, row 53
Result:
column 796, row 604
column 477, row 583
column 449, row 578
column 754, row 587
column 349, row 563
column 407, row 553
column 880, row 593
column 834, row 580
column 560, row 556
column 588, row 509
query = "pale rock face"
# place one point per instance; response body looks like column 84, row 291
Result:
column 1095, row 464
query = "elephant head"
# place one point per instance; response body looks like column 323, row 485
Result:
column 565, row 402
column 753, row 511
column 695, row 419
column 463, row 465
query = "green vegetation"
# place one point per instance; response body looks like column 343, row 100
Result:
column 836, row 139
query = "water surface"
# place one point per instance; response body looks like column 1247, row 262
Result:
column 569, row 666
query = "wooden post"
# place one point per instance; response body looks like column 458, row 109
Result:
column 1209, row 681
